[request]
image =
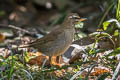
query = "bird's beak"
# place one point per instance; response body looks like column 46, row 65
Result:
column 82, row 19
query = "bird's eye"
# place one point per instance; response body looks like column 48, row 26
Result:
column 74, row 17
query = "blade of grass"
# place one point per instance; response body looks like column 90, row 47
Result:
column 11, row 68
column 116, row 72
column 118, row 11
column 107, row 11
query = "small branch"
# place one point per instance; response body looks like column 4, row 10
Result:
column 17, row 28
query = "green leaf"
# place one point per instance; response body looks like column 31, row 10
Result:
column 26, row 57
column 116, row 33
column 105, row 25
column 79, row 25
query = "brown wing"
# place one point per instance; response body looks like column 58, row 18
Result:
column 49, row 38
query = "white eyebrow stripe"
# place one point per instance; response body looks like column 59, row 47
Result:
column 74, row 16
column 70, row 16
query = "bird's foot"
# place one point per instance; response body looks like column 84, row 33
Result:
column 55, row 63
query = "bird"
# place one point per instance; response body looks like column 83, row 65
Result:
column 59, row 39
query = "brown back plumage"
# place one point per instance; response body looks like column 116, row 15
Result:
column 57, row 41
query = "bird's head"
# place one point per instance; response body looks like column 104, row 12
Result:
column 72, row 19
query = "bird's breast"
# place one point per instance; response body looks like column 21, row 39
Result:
column 69, row 35
column 60, row 44
column 65, row 41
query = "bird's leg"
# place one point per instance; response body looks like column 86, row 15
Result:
column 54, row 62
column 60, row 60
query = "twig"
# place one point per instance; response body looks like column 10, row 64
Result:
column 81, row 71
column 17, row 28
column 92, row 67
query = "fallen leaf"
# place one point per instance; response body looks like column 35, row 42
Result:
column 98, row 71
column 59, row 73
column 2, row 37
column 39, row 59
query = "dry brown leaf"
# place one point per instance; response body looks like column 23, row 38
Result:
column 34, row 54
column 59, row 73
column 38, row 60
column 98, row 71
column 2, row 37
